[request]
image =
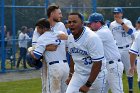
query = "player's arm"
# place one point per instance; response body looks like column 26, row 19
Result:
column 125, row 27
column 132, row 59
column 133, row 54
column 51, row 47
column 96, row 53
column 96, row 68
column 62, row 36
column 71, row 71
column 32, row 55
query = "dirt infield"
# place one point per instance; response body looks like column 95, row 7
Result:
column 19, row 75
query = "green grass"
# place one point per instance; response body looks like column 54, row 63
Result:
column 22, row 86
column 125, row 84
column 34, row 86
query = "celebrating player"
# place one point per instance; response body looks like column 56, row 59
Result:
column 54, row 16
column 112, row 55
column 133, row 54
column 122, row 30
column 54, row 59
column 86, row 49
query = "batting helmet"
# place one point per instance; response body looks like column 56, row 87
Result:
column 32, row 62
column 96, row 17
column 118, row 10
column 138, row 20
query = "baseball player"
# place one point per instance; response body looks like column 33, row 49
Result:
column 37, row 33
column 86, row 49
column 122, row 30
column 55, row 74
column 138, row 58
column 54, row 16
column 134, row 51
column 112, row 55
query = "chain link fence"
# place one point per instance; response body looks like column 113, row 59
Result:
column 27, row 12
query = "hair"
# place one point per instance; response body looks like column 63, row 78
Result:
column 102, row 22
column 79, row 15
column 23, row 28
column 43, row 23
column 51, row 8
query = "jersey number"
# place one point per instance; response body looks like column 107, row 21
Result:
column 124, row 34
column 87, row 60
column 58, row 41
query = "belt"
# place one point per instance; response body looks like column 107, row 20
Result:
column 54, row 62
column 111, row 62
column 124, row 47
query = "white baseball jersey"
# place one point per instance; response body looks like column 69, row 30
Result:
column 86, row 50
column 45, row 39
column 123, row 41
column 121, row 37
column 138, row 57
column 36, row 35
column 23, row 40
column 56, row 72
column 59, row 26
column 112, row 54
column 110, row 49
column 135, row 48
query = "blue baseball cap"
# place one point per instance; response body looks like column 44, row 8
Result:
column 118, row 10
column 138, row 20
column 96, row 17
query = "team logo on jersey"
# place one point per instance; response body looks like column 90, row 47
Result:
column 118, row 28
column 76, row 50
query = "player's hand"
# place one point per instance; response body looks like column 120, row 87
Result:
column 118, row 20
column 68, row 80
column 132, row 70
column 30, row 49
column 51, row 47
column 62, row 36
column 84, row 89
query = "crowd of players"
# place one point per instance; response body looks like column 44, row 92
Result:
column 98, row 52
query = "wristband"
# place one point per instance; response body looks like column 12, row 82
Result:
column 88, row 84
column 70, row 74
column 122, row 23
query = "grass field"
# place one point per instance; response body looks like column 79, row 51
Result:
column 34, row 86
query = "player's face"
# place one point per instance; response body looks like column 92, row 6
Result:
column 75, row 24
column 40, row 30
column 118, row 15
column 94, row 26
column 137, row 26
column 57, row 15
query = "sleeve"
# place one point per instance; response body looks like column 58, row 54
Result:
column 36, row 35
column 61, row 27
column 110, row 27
column 42, row 42
column 135, row 48
column 39, row 47
column 129, row 24
column 95, row 48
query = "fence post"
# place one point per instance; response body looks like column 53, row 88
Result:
column 2, row 38
column 13, row 33
column 46, row 6
column 94, row 3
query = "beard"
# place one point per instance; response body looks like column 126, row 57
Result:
column 56, row 20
